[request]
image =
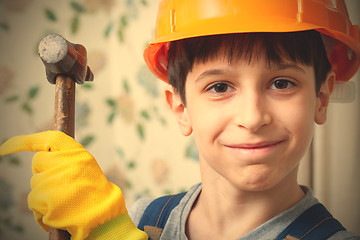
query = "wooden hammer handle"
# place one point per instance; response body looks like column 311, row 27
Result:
column 64, row 121
column 64, row 114
column 57, row 234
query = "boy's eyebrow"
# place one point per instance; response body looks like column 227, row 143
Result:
column 211, row 72
column 217, row 71
column 287, row 66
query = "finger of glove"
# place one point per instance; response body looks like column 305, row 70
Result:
column 38, row 206
column 46, row 201
column 43, row 141
column 78, row 234
column 44, row 215
column 39, row 220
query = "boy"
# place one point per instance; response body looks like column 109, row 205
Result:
column 248, row 80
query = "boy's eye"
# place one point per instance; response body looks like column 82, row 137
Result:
column 220, row 88
column 282, row 84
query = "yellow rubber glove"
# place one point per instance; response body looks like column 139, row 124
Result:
column 69, row 190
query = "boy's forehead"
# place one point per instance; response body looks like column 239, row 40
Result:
column 255, row 58
column 269, row 49
column 253, row 54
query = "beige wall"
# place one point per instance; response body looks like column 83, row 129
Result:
column 141, row 149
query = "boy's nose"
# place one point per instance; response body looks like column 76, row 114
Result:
column 252, row 112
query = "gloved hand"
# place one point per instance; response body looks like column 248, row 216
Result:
column 69, row 190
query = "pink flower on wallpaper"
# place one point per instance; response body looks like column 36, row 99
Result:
column 6, row 78
column 160, row 170
column 96, row 61
column 126, row 107
column 94, row 5
column 17, row 6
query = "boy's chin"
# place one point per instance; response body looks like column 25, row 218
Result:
column 266, row 182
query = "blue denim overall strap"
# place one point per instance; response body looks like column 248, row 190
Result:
column 157, row 213
column 315, row 223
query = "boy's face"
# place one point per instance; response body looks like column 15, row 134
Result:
column 252, row 124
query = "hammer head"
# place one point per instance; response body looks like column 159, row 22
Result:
column 62, row 57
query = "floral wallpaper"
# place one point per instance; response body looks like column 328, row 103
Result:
column 121, row 117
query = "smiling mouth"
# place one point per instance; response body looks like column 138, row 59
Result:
column 256, row 146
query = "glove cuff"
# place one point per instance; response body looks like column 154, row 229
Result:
column 120, row 227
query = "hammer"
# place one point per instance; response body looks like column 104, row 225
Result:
column 65, row 64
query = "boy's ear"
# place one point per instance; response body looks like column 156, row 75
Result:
column 324, row 98
column 180, row 111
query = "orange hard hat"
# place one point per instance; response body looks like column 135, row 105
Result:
column 180, row 19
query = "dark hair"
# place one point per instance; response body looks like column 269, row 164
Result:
column 305, row 47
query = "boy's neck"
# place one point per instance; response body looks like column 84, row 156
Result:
column 225, row 209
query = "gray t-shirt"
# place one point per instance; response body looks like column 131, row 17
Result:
column 175, row 227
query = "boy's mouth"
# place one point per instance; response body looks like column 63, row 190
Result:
column 256, row 147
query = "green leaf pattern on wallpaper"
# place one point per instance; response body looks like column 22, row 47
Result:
column 121, row 117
